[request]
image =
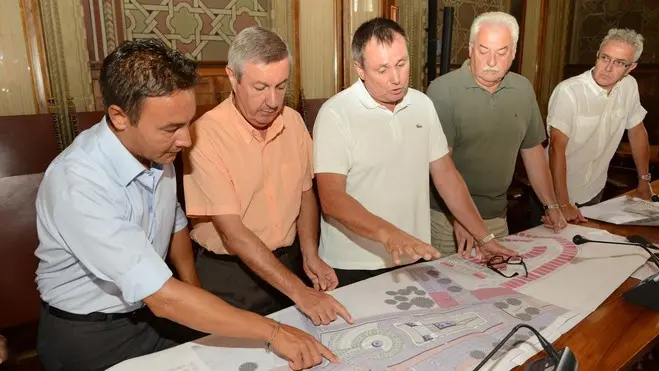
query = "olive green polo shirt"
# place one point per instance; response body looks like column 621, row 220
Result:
column 486, row 131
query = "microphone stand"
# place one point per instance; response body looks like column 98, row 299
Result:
column 566, row 357
column 580, row 240
column 646, row 292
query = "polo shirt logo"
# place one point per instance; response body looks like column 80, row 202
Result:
column 419, row 125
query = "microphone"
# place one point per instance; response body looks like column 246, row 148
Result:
column 646, row 292
column 641, row 241
column 563, row 361
column 634, row 241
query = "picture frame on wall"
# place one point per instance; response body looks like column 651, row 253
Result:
column 393, row 12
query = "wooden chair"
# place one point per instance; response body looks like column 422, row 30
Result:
column 308, row 109
column 27, row 146
column 82, row 121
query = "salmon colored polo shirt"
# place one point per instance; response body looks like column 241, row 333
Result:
column 232, row 170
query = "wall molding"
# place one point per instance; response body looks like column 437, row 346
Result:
column 413, row 18
column 57, row 66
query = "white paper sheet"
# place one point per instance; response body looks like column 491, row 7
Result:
column 646, row 270
column 624, row 211
column 180, row 358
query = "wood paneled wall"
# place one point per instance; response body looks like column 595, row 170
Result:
column 319, row 33
column 213, row 87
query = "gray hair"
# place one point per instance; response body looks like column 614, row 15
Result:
column 258, row 45
column 627, row 36
column 497, row 18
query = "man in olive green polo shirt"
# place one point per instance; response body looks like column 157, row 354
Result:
column 489, row 114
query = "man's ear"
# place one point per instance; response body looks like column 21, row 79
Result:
column 118, row 118
column 232, row 78
column 360, row 70
column 631, row 68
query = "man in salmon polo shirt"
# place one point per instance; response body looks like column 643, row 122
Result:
column 248, row 190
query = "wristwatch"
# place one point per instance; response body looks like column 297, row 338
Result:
column 485, row 240
column 645, row 177
column 552, row 206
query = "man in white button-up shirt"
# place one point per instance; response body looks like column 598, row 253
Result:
column 587, row 117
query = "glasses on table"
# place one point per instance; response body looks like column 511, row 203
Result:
column 511, row 260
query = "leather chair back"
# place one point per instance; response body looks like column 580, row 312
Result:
column 28, row 144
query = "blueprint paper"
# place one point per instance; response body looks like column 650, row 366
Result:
column 416, row 318
column 575, row 277
column 446, row 314
column 624, row 211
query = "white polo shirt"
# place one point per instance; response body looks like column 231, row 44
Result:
column 385, row 156
column 594, row 121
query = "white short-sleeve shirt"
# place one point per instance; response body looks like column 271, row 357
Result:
column 385, row 156
column 594, row 122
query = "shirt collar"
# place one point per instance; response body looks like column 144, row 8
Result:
column 368, row 102
column 125, row 165
column 470, row 81
column 592, row 84
column 247, row 131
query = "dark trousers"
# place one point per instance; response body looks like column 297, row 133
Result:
column 350, row 276
column 233, row 281
column 536, row 211
column 593, row 201
column 72, row 345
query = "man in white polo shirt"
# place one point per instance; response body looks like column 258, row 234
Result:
column 374, row 144
column 587, row 117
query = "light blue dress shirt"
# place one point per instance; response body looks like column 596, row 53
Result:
column 104, row 223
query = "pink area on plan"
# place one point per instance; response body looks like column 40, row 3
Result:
column 491, row 292
column 480, row 275
column 444, row 299
column 535, row 252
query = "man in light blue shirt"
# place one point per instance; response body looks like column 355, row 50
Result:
column 107, row 218
column 105, row 222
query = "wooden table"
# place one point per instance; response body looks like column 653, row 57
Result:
column 617, row 333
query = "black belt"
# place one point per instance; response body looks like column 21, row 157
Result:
column 234, row 258
column 94, row 316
